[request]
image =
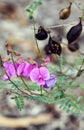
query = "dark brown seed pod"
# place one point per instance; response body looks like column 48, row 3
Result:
column 65, row 12
column 41, row 34
column 73, row 47
column 47, row 50
column 74, row 32
column 54, row 46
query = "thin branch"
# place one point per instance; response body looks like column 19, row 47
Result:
column 20, row 76
column 61, row 25
column 25, row 84
column 78, row 73
column 35, row 38
column 11, row 80
column 77, row 5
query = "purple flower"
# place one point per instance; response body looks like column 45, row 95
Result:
column 25, row 68
column 18, row 69
column 10, row 70
column 21, row 67
column 50, row 82
column 28, row 69
column 39, row 75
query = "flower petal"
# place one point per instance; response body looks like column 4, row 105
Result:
column 41, row 82
column 20, row 69
column 12, row 70
column 34, row 75
column 5, row 77
column 6, row 65
column 44, row 73
column 50, row 82
column 28, row 69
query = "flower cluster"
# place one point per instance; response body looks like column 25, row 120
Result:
column 31, row 71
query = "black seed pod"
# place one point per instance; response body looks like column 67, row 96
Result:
column 73, row 47
column 54, row 46
column 74, row 32
column 47, row 50
column 41, row 34
column 65, row 13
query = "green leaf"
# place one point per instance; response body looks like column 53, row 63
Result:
column 32, row 7
column 82, row 86
column 83, row 17
column 34, row 86
column 82, row 9
column 78, row 61
column 59, row 94
column 43, row 99
column 19, row 102
column 80, row 98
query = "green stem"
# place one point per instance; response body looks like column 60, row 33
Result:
column 11, row 80
column 59, row 88
column 14, row 63
column 17, row 87
column 45, row 90
column 60, row 63
column 20, row 76
column 25, row 84
column 41, row 91
column 35, row 38
column 78, row 73
column 77, row 5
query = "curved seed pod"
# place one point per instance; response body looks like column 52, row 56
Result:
column 41, row 34
column 74, row 32
column 73, row 47
column 54, row 46
column 47, row 50
column 65, row 12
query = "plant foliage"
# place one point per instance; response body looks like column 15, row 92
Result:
column 19, row 102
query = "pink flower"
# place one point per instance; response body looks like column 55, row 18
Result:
column 25, row 68
column 39, row 75
column 22, row 68
column 10, row 70
column 28, row 69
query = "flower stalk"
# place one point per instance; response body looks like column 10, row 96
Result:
column 35, row 37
